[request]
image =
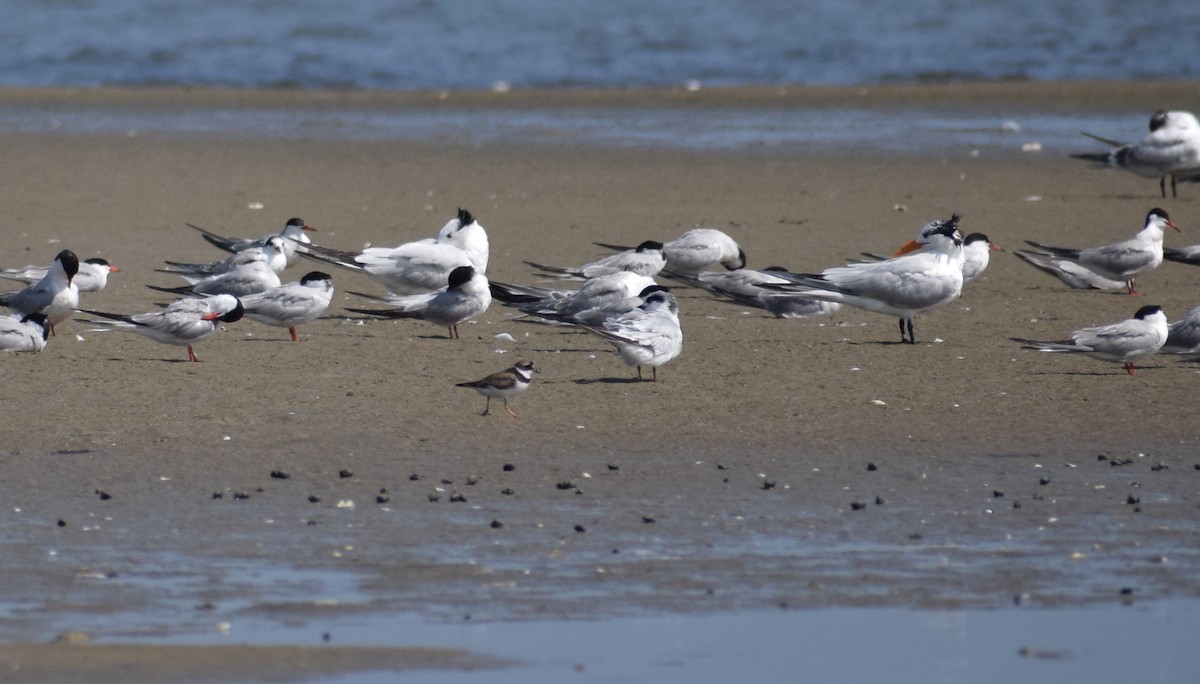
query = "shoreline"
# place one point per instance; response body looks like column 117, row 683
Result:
column 729, row 486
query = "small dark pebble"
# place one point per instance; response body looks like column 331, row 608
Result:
column 104, row 496
column 218, row 495
column 1016, row 504
column 414, row 477
column 580, row 528
column 326, row 637
column 447, row 482
column 857, row 505
column 871, row 467
column 260, row 490
column 1196, row 467
column 62, row 523
column 311, row 523
column 496, row 524
column 434, row 498
column 725, row 480
column 383, row 490
column 508, row 467
column 768, row 484
column 614, row 466
column 996, row 493
column 1158, row 466
column 280, row 474
column 343, row 473
column 565, row 484
column 472, row 481
column 647, row 519
column 382, row 499
column 458, row 498
column 241, row 496
column 1044, row 481
column 507, row 491
column 879, row 501
column 1126, row 591
column 1101, row 457
column 314, row 499
column 1131, row 500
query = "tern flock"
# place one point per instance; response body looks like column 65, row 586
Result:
column 442, row 280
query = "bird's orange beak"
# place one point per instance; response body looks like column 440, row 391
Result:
column 210, row 316
column 308, row 227
column 910, row 246
column 1172, row 224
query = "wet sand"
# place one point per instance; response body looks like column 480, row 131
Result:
column 736, row 482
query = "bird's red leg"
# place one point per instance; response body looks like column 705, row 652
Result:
column 191, row 354
column 1130, row 369
column 292, row 330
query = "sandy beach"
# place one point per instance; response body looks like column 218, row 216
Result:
column 128, row 460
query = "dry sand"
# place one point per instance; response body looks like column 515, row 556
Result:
column 762, row 429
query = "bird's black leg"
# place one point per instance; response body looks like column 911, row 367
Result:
column 912, row 339
column 1174, row 194
column 902, row 340
column 1162, row 185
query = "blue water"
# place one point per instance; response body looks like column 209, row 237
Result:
column 470, row 44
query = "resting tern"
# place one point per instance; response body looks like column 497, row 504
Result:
column 697, row 250
column 1183, row 335
column 251, row 277
column 1123, row 342
column 55, row 295
column 1069, row 272
column 902, row 286
column 647, row 335
column 598, row 292
column 1183, row 255
column 1170, row 149
column 646, row 259
column 92, row 275
column 503, row 384
column 184, row 323
column 417, row 267
column 292, row 304
column 23, row 334
column 1122, row 260
column 294, row 235
column 274, row 251
column 747, row 287
column 466, row 296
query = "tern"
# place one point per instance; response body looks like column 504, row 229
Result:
column 466, row 296
column 646, row 259
column 1124, row 260
column 1170, row 150
column 294, row 235
column 55, row 295
column 24, row 334
column 184, row 323
column 598, row 292
column 647, row 335
column 1124, row 342
column 273, row 251
column 292, row 304
column 901, row 286
column 92, row 275
column 417, row 267
column 698, row 249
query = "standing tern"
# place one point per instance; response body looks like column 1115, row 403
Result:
column 294, row 235
column 292, row 304
column 646, row 259
column 24, row 334
column 466, row 296
column 417, row 267
column 55, row 295
column 901, row 286
column 1171, row 149
column 184, row 323
column 1122, row 260
column 92, row 275
column 1123, row 342
column 697, row 250
column 648, row 335
column 503, row 384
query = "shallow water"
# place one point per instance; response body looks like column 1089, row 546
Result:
column 901, row 130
